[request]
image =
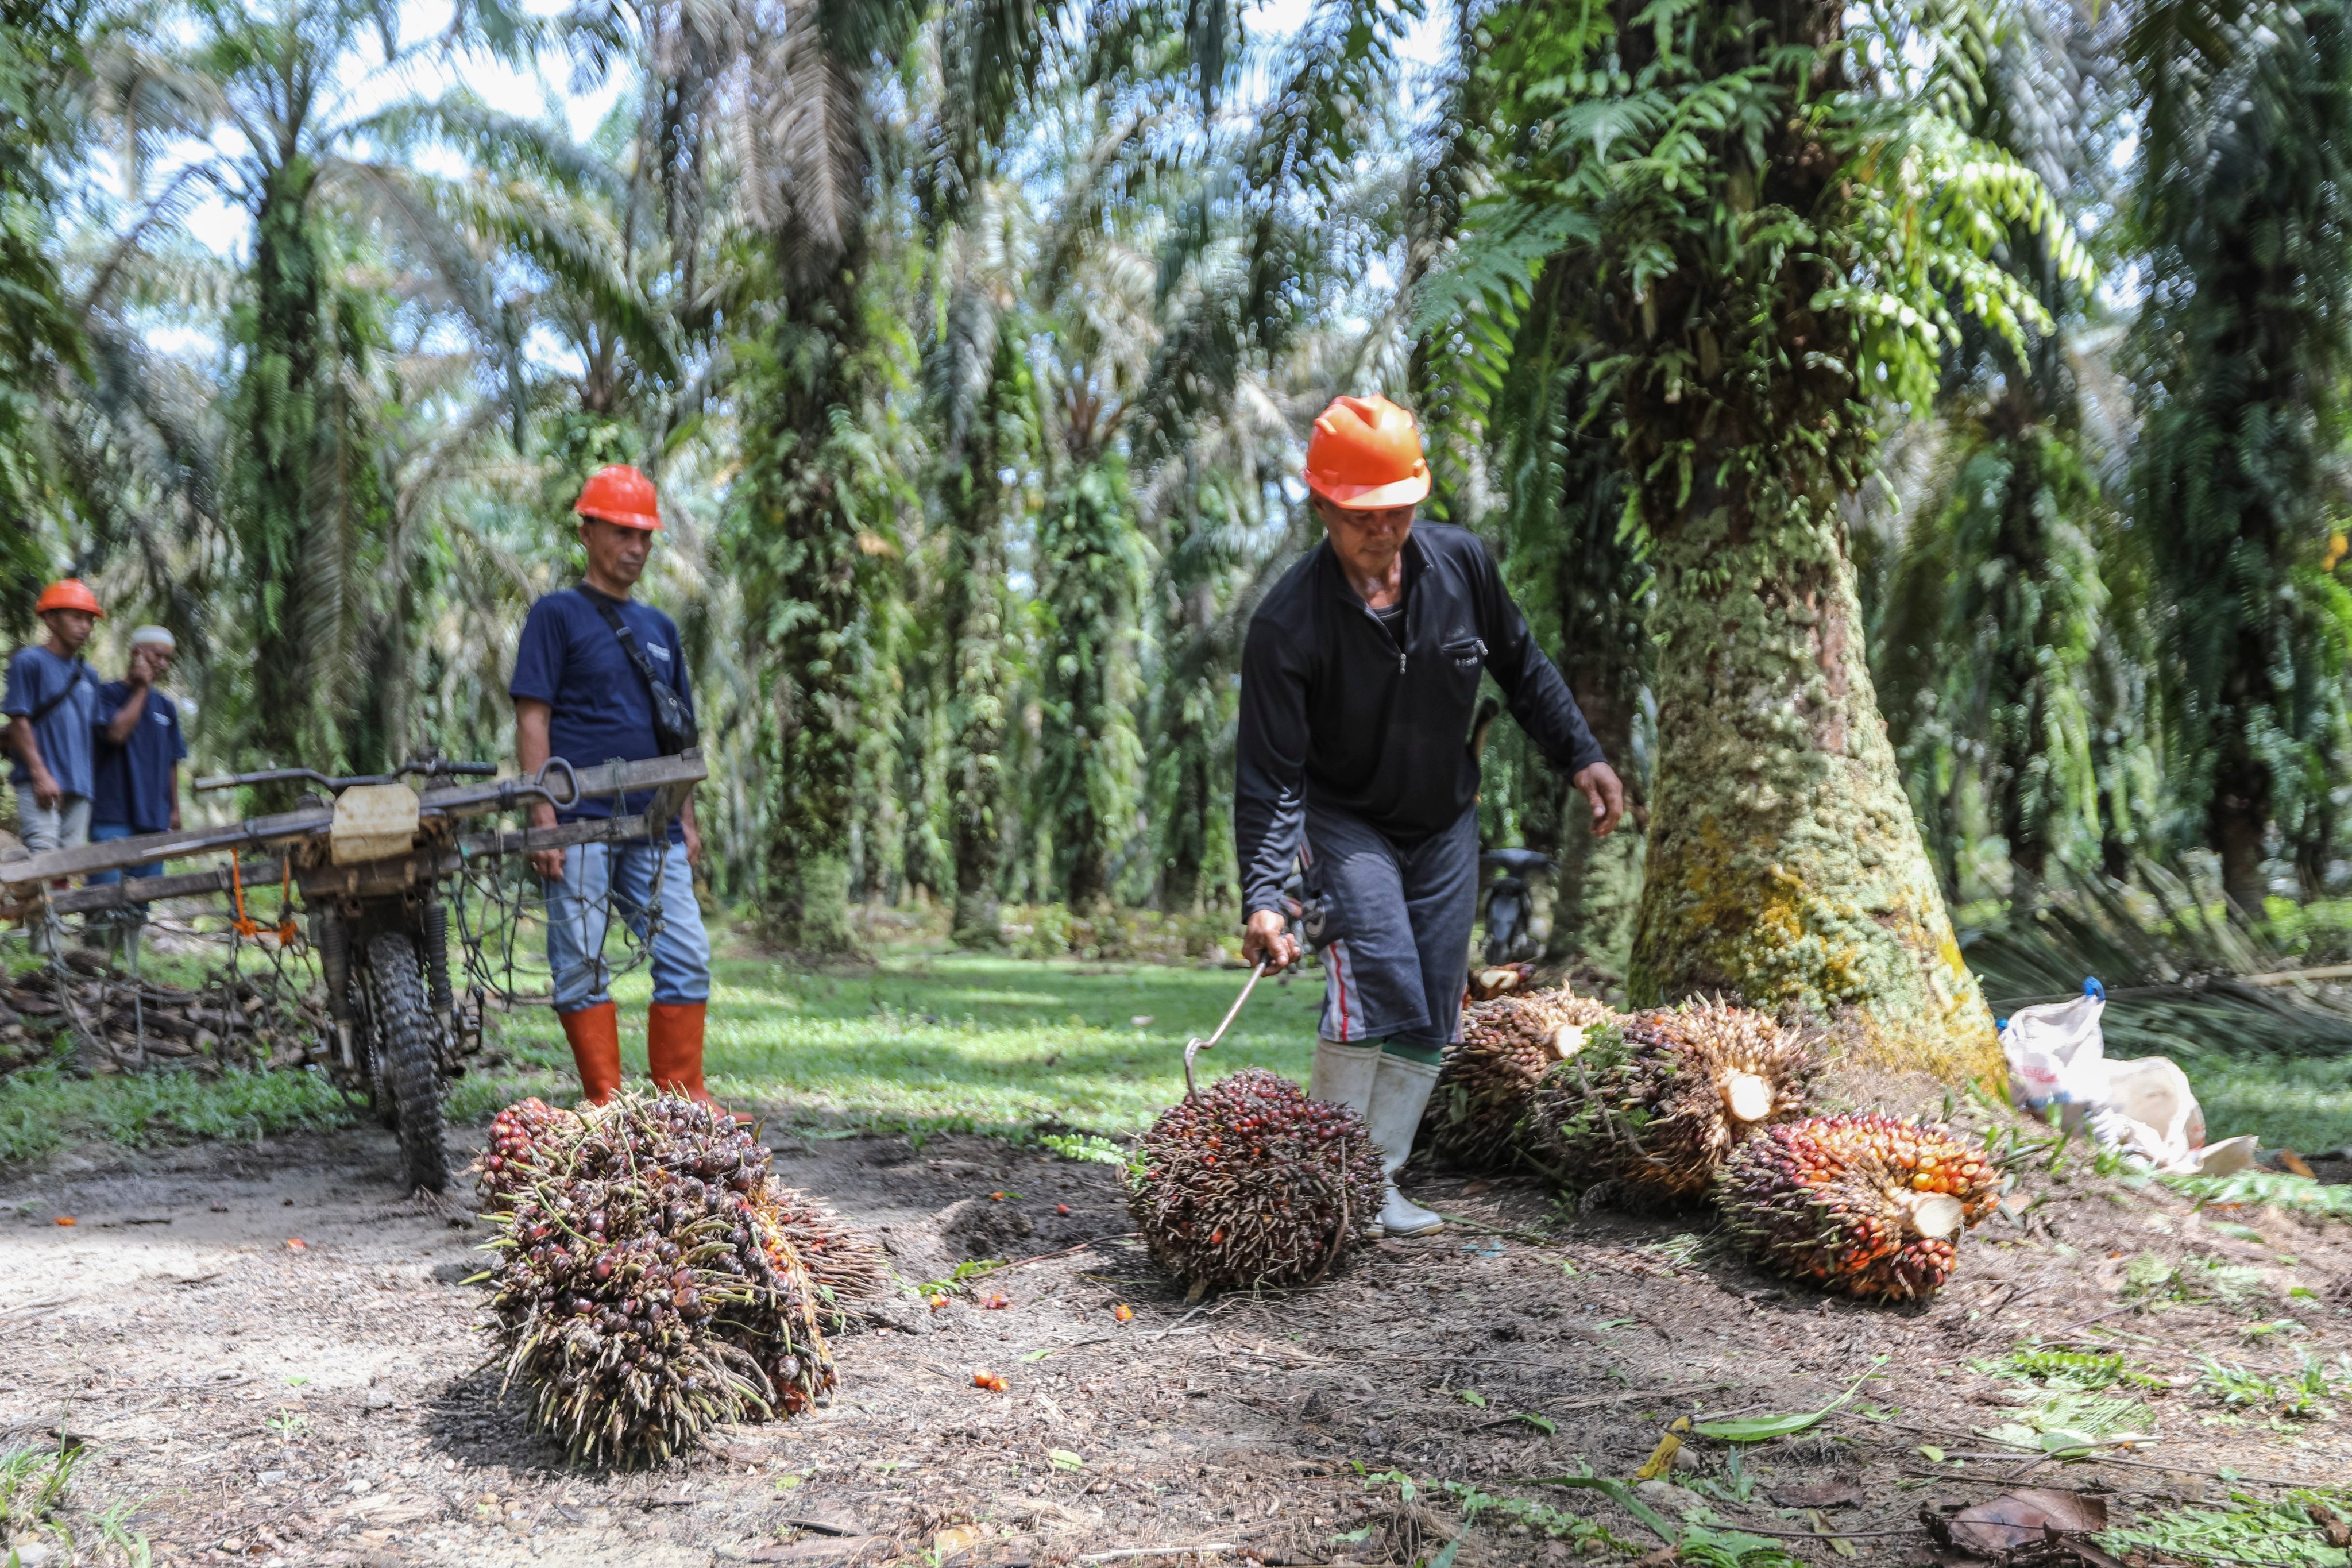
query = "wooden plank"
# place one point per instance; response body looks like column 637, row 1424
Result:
column 681, row 772
column 256, row 833
column 258, row 875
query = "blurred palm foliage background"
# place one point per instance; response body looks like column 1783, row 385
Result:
column 973, row 347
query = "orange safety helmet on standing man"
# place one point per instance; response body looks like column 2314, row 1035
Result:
column 1365, row 454
column 619, row 493
column 67, row 594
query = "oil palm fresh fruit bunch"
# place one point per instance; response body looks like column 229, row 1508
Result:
column 1867, row 1205
column 845, row 1264
column 1654, row 1102
column 1489, row 1080
column 638, row 1293
column 512, row 1156
column 1248, row 1181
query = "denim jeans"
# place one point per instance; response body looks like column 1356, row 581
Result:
column 107, row 833
column 578, row 916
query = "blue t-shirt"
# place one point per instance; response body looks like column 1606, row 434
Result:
column 35, row 675
column 570, row 659
column 133, row 780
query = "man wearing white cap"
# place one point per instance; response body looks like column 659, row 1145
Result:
column 136, row 779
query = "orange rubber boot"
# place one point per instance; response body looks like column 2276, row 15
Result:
column 674, row 1050
column 595, row 1037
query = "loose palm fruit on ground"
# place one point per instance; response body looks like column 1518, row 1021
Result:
column 1248, row 1181
column 639, row 1294
column 1866, row 1204
column 1489, row 1080
column 1655, row 1101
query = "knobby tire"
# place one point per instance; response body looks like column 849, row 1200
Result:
column 410, row 1064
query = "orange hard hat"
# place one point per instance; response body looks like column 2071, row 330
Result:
column 619, row 493
column 67, row 594
column 1365, row 454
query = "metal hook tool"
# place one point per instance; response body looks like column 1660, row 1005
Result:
column 1195, row 1046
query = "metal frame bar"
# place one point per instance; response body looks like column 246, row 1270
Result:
column 671, row 779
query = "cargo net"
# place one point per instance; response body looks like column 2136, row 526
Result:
column 499, row 915
column 134, row 989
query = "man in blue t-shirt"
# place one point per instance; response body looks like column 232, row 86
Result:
column 136, row 778
column 51, row 700
column 579, row 694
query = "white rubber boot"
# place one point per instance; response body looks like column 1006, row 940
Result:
column 1401, row 1090
column 1343, row 1074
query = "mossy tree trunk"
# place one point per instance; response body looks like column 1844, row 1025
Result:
column 1784, row 865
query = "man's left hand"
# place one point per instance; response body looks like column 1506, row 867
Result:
column 1602, row 787
column 693, row 842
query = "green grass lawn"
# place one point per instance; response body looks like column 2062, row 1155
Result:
column 951, row 1041
column 938, row 1039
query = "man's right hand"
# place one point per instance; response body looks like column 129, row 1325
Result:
column 1267, row 937
column 46, row 789
column 548, row 863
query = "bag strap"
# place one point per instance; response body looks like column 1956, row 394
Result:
column 636, row 655
column 74, row 677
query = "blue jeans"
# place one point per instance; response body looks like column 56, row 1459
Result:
column 107, row 833
column 578, row 918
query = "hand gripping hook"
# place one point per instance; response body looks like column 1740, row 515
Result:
column 1195, row 1046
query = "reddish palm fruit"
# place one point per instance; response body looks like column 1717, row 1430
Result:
column 1248, row 1181
column 1656, row 1101
column 638, row 1294
column 1489, row 1080
column 1866, row 1204
column 845, row 1264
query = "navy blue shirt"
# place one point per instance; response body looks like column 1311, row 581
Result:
column 133, row 780
column 35, row 675
column 570, row 659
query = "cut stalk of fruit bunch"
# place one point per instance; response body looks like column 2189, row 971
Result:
column 1248, row 1181
column 645, row 1290
column 1655, row 1101
column 1866, row 1204
column 1489, row 1079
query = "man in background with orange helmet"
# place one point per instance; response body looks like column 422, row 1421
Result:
column 1359, row 683
column 600, row 676
column 52, row 707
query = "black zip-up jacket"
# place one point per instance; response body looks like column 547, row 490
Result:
column 1338, row 712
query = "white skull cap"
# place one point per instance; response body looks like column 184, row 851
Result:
column 154, row 637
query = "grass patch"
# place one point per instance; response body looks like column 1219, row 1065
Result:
column 918, row 1044
column 42, row 1107
column 2249, row 1529
column 2275, row 1188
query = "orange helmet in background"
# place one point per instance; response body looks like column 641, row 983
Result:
column 619, row 493
column 1365, row 454
column 67, row 594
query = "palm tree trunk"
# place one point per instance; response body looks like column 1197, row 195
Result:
column 1784, row 865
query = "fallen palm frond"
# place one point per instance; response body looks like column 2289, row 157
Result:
column 2182, row 980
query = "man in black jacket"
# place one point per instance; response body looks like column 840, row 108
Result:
column 1359, row 684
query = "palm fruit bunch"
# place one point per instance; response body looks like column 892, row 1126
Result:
column 638, row 1292
column 1868, row 1205
column 844, row 1263
column 1655, row 1101
column 1489, row 1079
column 1248, row 1181
column 512, row 1154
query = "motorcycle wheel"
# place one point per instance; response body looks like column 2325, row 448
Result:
column 406, row 1060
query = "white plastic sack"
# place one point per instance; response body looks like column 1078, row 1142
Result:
column 2057, row 1055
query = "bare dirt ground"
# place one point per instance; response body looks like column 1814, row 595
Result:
column 326, row 1402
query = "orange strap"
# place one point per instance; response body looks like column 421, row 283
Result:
column 243, row 924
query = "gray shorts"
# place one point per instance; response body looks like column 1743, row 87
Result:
column 1403, row 919
column 65, row 826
